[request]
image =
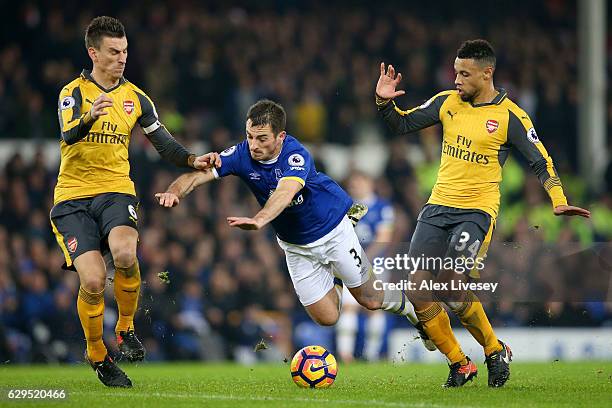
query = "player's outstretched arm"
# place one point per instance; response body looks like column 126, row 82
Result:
column 182, row 186
column 522, row 135
column 278, row 201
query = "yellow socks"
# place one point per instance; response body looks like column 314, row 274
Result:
column 90, row 307
column 474, row 318
column 437, row 326
column 127, row 290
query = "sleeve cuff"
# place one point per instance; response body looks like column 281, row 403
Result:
column 557, row 197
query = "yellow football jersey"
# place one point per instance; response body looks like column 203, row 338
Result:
column 98, row 161
column 476, row 142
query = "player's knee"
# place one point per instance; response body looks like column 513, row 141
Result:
column 371, row 303
column 124, row 257
column 328, row 319
column 93, row 283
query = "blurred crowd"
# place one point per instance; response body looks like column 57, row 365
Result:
column 228, row 289
column 320, row 59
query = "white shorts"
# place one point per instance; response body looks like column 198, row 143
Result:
column 313, row 266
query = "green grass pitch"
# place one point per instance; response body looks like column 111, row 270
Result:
column 358, row 385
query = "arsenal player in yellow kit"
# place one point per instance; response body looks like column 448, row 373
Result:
column 480, row 125
column 95, row 206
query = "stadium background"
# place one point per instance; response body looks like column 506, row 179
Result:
column 203, row 66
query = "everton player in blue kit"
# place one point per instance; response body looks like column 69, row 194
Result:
column 307, row 210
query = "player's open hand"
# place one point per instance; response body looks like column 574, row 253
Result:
column 388, row 82
column 99, row 106
column 207, row 161
column 167, row 200
column 244, row 223
column 570, row 210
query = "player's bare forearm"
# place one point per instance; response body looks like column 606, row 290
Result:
column 275, row 205
column 187, row 182
column 183, row 186
column 278, row 201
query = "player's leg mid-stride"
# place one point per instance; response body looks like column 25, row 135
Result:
column 470, row 312
column 122, row 242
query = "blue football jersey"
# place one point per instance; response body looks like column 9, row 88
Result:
column 315, row 210
column 380, row 212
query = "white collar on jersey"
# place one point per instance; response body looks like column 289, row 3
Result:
column 274, row 160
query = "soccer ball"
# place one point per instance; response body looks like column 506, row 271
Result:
column 314, row 367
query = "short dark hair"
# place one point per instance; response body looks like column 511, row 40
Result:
column 479, row 50
column 267, row 112
column 102, row 26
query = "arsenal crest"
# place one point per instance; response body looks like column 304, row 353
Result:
column 72, row 244
column 492, row 125
column 128, row 107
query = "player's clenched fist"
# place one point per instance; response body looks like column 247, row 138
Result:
column 167, row 200
column 99, row 105
column 207, row 161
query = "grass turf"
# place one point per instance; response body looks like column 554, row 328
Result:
column 367, row 385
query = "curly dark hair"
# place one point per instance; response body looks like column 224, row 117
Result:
column 479, row 50
column 102, row 26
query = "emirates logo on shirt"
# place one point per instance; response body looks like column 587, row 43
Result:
column 128, row 107
column 492, row 125
column 72, row 244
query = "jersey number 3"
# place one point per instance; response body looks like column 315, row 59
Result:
column 355, row 256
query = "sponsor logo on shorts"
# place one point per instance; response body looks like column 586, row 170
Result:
column 72, row 243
